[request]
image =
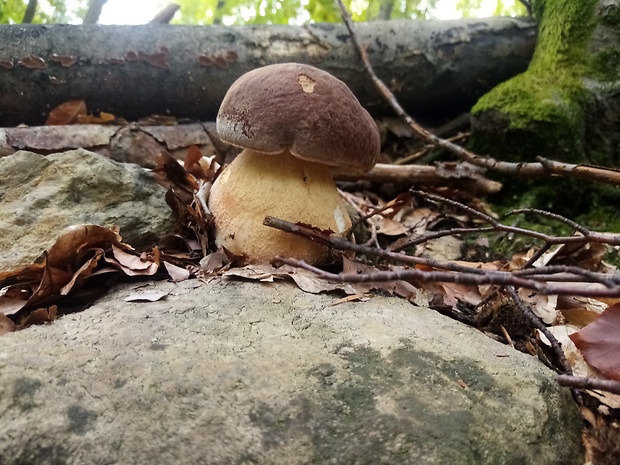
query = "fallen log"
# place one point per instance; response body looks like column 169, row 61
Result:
column 433, row 67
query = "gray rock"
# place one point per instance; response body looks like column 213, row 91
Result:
column 42, row 195
column 247, row 373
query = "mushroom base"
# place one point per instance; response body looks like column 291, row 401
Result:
column 256, row 185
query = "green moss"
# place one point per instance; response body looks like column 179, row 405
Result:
column 611, row 15
column 542, row 108
column 606, row 64
column 592, row 205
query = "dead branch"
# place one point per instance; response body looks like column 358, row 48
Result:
column 487, row 277
column 543, row 167
column 454, row 174
column 455, row 273
column 134, row 143
column 185, row 71
column 589, row 383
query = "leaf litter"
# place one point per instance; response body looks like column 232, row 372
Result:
column 87, row 259
column 89, row 256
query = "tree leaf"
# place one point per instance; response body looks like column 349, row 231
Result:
column 66, row 113
column 599, row 342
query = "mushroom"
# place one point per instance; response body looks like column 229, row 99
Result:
column 293, row 122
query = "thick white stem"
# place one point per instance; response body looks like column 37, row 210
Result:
column 255, row 185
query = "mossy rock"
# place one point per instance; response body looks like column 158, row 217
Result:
column 564, row 107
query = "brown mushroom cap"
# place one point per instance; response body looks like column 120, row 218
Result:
column 302, row 109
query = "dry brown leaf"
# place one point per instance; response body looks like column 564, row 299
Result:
column 40, row 316
column 544, row 306
column 130, row 264
column 215, row 261
column 305, row 280
column 77, row 239
column 350, row 298
column 66, row 113
column 599, row 342
column 6, row 325
column 454, row 292
column 10, row 306
column 103, row 118
column 148, row 296
column 83, row 272
column 52, row 281
column 176, row 272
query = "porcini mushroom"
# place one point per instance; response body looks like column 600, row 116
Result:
column 293, row 122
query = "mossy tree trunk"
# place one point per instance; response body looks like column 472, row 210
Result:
column 567, row 104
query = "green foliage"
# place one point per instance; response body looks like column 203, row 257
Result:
column 230, row 12
column 48, row 11
column 296, row 11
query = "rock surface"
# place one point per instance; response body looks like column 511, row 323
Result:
column 247, row 373
column 42, row 195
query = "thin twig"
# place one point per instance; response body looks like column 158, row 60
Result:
column 540, row 287
column 595, row 384
column 554, row 216
column 409, row 274
column 589, row 236
column 397, row 204
column 537, row 323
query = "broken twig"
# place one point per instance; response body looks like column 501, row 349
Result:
column 596, row 384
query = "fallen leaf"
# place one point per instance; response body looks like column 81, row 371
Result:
column 6, row 325
column 599, row 342
column 85, row 270
column 305, row 280
column 75, row 240
column 40, row 316
column 176, row 272
column 147, row 296
column 215, row 261
column 132, row 265
column 350, row 298
column 66, row 113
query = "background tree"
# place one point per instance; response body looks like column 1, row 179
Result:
column 47, row 11
column 260, row 11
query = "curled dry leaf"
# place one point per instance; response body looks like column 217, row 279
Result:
column 176, row 272
column 41, row 315
column 599, row 342
column 66, row 113
column 30, row 295
column 75, row 240
column 147, row 296
column 305, row 280
column 132, row 265
column 6, row 324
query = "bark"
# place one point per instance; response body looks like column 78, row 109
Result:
column 166, row 15
column 567, row 104
column 94, row 11
column 433, row 67
column 31, row 9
